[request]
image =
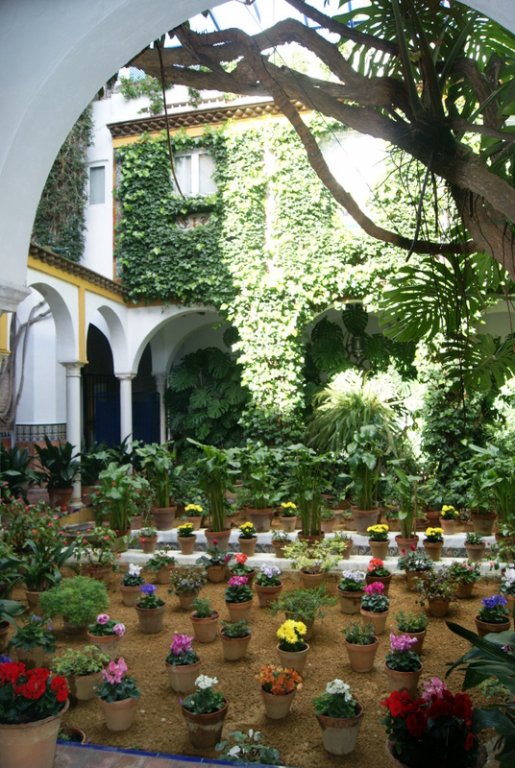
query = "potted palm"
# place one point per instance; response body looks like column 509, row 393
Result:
column 82, row 668
column 214, row 472
column 60, row 466
column 361, row 644
column 157, row 463
column 308, row 478
column 182, row 664
column 258, row 493
column 407, row 494
column 339, row 716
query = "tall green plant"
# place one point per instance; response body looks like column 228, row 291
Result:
column 59, row 463
column 306, row 481
column 157, row 463
column 214, row 476
column 121, row 495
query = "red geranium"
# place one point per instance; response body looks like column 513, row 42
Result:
column 27, row 695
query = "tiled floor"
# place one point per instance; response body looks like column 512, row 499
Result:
column 89, row 756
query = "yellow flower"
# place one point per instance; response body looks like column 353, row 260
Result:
column 288, row 505
column 193, row 508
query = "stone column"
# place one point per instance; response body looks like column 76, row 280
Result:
column 126, row 406
column 74, row 417
column 161, row 388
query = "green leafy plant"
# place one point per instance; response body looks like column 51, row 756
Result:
column 236, row 628
column 187, row 580
column 358, row 633
column 311, row 558
column 121, row 495
column 244, row 748
column 202, row 608
column 303, row 604
column 35, row 633
column 214, row 467
column 79, row 661
column 16, row 473
column 409, row 621
column 157, row 465
column 77, row 600
column 437, row 585
column 59, row 463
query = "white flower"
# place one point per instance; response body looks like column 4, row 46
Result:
column 234, row 751
column 203, row 682
column 509, row 578
column 134, row 570
column 354, row 575
column 337, row 686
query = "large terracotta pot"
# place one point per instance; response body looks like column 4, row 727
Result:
column 378, row 620
column 130, row 595
column 385, row 580
column 379, row 549
column 205, row 630
column 239, row 611
column 449, row 526
column 164, row 517
column 349, row 601
column 186, row 601
column 162, row 576
column 438, row 607
column 248, row 546
column 483, row 522
column 108, row 644
column 485, row 627
column 464, row 589
column 475, row 552
column 398, row 681
column 311, row 580
column 364, row 518
column 83, row 686
column 33, row 600
column 196, row 521
column 419, row 637
column 288, row 524
column 434, row 549
column 260, row 518
column 277, row 707
column 30, row 745
column 119, row 715
column 234, row 648
column 267, row 595
column 405, row 544
column 294, row 659
column 59, row 497
column 205, row 730
column 182, row 676
column 221, row 537
column 340, row 734
column 187, row 544
column 216, row 573
column 278, row 547
column 151, row 619
column 361, row 657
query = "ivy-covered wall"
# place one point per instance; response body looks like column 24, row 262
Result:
column 273, row 255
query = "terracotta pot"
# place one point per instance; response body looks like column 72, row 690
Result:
column 310, row 538
column 59, row 497
column 187, row 544
column 398, row 681
column 412, row 577
column 379, row 549
column 205, row 630
column 30, row 744
column 378, row 620
column 483, row 522
column 385, row 580
column 4, row 635
column 260, row 518
column 71, row 734
column 239, row 611
column 340, row 734
column 186, row 601
column 438, row 607
column 484, row 627
column 449, row 526
column 404, row 543
column 136, row 522
column 288, row 524
column 151, row 619
column 83, row 686
column 433, row 549
column 279, row 547
column 464, row 589
column 148, row 544
column 162, row 576
column 293, row 659
column 182, row 676
column 433, row 518
column 349, row 601
column 119, row 715
column 98, row 572
column 311, row 580
column 277, row 707
column 35, row 657
column 394, row 760
column 248, row 546
column 108, row 644
column 33, row 601
column 267, row 595
column 216, row 573
column 362, row 657
column 222, row 537
column 475, row 552
column 328, row 525
column 364, row 518
column 419, row 637
column 75, row 630
column 130, row 595
column 205, row 730
column 164, row 517
column 234, row 648
column 196, row 521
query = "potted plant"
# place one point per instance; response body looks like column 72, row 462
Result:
column 205, row 621
column 258, row 493
column 433, row 543
column 247, row 538
column 92, row 462
column 235, row 637
column 376, row 571
column 94, row 552
column 151, row 610
column 303, row 605
column 9, row 609
column 148, row 539
column 361, row 644
column 402, row 664
column 339, row 716
column 328, row 519
column 378, row 540
column 466, row 575
column 268, row 585
column 194, row 514
column 238, row 567
column 448, row 518
column 288, row 515
column 60, row 466
column 366, row 452
column 445, row 730
column 278, row 686
column 161, row 565
column 16, row 473
column 34, row 642
column 186, row 538
column 204, row 712
column 374, row 606
column 417, row 565
column 414, row 625
column 22, row 714
column 475, row 546
column 280, row 541
column 247, row 748
column 493, row 615
column 118, row 693
column 312, row 560
column 493, row 467
column 106, row 634
column 182, row 664
column 82, row 668
column 157, row 464
column 186, row 582
column 214, row 472
column 308, row 477
column 406, row 491
column 350, row 590
column 438, row 589
column 293, row 648
column 130, row 586
column 507, row 587
column 238, row 598
column 121, row 494
column 77, row 601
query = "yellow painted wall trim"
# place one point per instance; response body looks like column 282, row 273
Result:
column 4, row 335
column 82, row 325
column 60, row 274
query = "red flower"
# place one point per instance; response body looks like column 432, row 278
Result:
column 35, row 685
column 469, row 742
column 10, row 672
column 399, row 703
column 59, row 687
column 240, row 558
column 416, row 724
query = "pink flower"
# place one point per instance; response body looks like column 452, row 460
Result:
column 402, row 642
column 180, row 644
column 119, row 629
column 115, row 671
column 237, row 581
column 376, row 588
column 433, row 687
column 102, row 618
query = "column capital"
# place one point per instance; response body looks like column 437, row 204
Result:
column 73, row 369
column 160, row 380
column 125, row 376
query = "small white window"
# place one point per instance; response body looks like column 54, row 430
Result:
column 195, row 173
column 97, row 184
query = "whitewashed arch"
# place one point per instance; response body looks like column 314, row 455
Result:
column 67, row 348
column 117, row 338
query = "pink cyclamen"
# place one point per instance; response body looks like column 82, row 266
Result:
column 376, row 588
column 237, row 581
column 119, row 629
column 102, row 618
column 402, row 642
column 180, row 644
column 115, row 671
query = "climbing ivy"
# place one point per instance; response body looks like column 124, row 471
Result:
column 60, row 217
